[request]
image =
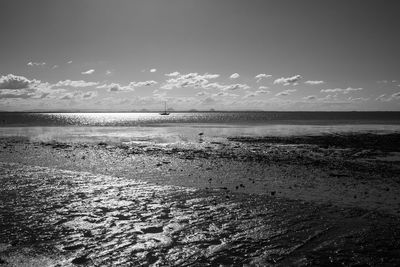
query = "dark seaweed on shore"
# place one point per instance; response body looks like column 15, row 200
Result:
column 383, row 142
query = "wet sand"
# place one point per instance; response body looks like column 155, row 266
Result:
column 244, row 201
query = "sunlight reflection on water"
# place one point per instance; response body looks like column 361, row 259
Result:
column 181, row 133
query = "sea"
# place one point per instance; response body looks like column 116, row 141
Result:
column 189, row 126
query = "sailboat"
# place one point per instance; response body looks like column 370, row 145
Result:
column 165, row 109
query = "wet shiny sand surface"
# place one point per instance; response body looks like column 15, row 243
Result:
column 66, row 205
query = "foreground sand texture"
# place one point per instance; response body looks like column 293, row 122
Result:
column 327, row 201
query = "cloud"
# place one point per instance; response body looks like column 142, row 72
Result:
column 286, row 92
column 108, row 72
column 256, row 93
column 202, row 94
column 396, row 95
column 11, row 81
column 69, row 62
column 67, row 96
column 236, row 87
column 340, row 90
column 172, row 74
column 115, row 87
column 16, row 93
column 77, row 84
column 381, row 98
column 314, row 82
column 225, row 94
column 153, row 70
column 250, row 95
column 188, row 80
column 36, row 64
column 78, row 95
column 386, row 81
column 288, row 81
column 141, row 84
column 89, row 95
column 208, row 101
column 262, row 91
column 261, row 76
column 385, row 98
column 310, row 97
column 55, row 67
column 91, row 71
column 234, row 76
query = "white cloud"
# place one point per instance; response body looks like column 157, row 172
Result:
column 236, row 87
column 69, row 62
column 386, row 81
column 16, row 93
column 340, row 90
column 91, row 71
column 261, row 76
column 89, row 95
column 262, row 91
column 36, row 64
column 11, row 81
column 263, row 87
column 55, row 67
column 234, row 76
column 153, row 70
column 79, row 83
column 381, row 97
column 314, row 82
column 115, row 87
column 172, row 74
column 202, row 94
column 209, row 101
column 78, row 95
column 188, row 80
column 286, row 92
column 108, row 72
column 288, row 80
column 67, row 96
column 310, row 97
column 141, row 84
column 256, row 93
column 385, row 98
column 396, row 95
column 225, row 94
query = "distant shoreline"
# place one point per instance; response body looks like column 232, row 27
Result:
column 195, row 111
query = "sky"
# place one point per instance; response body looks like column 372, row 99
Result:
column 121, row 55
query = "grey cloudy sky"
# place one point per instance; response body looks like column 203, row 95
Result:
column 222, row 54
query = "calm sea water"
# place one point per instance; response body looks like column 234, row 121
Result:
column 232, row 118
column 178, row 127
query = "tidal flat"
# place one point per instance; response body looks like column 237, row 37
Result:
column 330, row 200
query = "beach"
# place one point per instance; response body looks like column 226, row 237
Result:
column 237, row 201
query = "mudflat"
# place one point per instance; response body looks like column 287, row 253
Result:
column 329, row 200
